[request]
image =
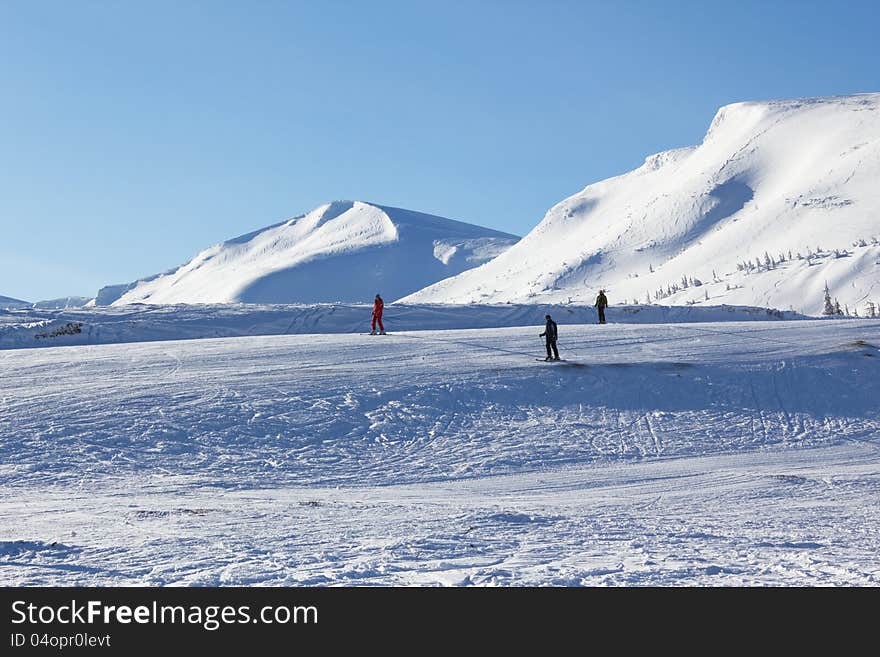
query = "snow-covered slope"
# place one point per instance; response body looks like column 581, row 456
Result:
column 342, row 251
column 780, row 197
column 736, row 454
column 9, row 302
column 62, row 303
column 25, row 329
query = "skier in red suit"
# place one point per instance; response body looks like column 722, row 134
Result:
column 378, row 307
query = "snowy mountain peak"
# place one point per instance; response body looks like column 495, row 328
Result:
column 779, row 197
column 340, row 251
column 344, row 219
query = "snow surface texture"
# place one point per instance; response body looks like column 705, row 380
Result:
column 343, row 251
column 780, row 197
column 688, row 454
column 40, row 328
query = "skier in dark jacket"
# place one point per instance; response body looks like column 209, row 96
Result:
column 550, row 334
column 601, row 303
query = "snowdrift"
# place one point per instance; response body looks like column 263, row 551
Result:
column 780, row 198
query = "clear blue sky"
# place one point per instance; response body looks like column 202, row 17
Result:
column 134, row 134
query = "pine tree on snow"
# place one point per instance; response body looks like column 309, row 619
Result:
column 829, row 307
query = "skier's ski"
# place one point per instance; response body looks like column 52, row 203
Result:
column 544, row 360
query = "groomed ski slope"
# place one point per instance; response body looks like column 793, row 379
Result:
column 678, row 454
column 55, row 328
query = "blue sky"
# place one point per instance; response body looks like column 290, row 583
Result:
column 134, row 134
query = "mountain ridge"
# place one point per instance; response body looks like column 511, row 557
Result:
column 10, row 302
column 340, row 251
column 769, row 178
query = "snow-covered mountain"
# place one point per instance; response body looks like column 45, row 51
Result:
column 63, row 302
column 780, row 198
column 9, row 302
column 342, row 251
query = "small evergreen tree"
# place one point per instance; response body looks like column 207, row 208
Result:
column 837, row 310
column 829, row 307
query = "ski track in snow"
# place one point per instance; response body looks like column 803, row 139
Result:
column 714, row 454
